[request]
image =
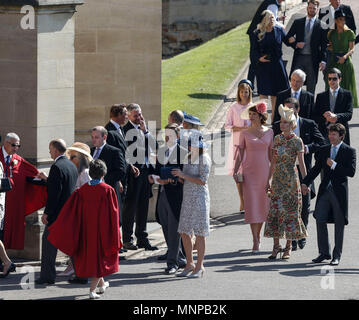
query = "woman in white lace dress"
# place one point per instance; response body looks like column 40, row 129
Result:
column 194, row 217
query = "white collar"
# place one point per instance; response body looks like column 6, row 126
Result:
column 337, row 146
column 100, row 148
column 299, row 91
column 61, row 155
column 118, row 127
column 334, row 91
column 310, row 19
column 137, row 126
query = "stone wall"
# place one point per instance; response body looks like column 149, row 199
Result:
column 188, row 23
column 118, row 59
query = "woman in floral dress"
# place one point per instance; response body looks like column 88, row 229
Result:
column 284, row 219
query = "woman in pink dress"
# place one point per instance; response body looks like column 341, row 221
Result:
column 255, row 148
column 236, row 124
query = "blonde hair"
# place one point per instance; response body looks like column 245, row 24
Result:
column 262, row 26
column 244, row 86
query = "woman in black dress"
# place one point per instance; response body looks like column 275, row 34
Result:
column 271, row 75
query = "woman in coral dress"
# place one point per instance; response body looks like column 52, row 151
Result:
column 236, row 125
column 255, row 144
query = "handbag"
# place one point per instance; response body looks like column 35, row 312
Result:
column 5, row 185
column 238, row 177
column 165, row 173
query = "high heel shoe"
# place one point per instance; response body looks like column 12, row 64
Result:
column 198, row 274
column 287, row 252
column 93, row 295
column 256, row 246
column 276, row 250
column 102, row 289
column 12, row 268
column 185, row 272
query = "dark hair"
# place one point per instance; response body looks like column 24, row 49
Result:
column 315, row 2
column 59, row 145
column 262, row 116
column 117, row 109
column 294, row 101
column 337, row 127
column 98, row 169
column 177, row 116
column 336, row 71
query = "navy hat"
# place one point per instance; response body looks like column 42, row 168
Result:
column 339, row 13
column 247, row 82
column 192, row 119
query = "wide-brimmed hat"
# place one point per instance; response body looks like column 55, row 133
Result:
column 81, row 148
column 196, row 140
column 261, row 108
column 192, row 119
column 287, row 114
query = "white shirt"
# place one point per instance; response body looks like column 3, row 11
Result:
column 118, row 127
column 5, row 154
column 335, row 92
column 298, row 92
column 311, row 20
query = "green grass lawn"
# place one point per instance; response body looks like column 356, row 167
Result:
column 195, row 81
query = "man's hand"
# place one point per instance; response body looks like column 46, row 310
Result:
column 300, row 45
column 305, row 189
column 263, row 59
column 330, row 162
column 44, row 219
column 121, row 187
column 135, row 171
column 42, row 176
column 291, row 40
column 322, row 66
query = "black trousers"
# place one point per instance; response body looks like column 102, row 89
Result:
column 135, row 208
column 48, row 258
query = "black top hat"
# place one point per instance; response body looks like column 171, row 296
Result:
column 339, row 13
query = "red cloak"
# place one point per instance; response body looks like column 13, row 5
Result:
column 24, row 198
column 87, row 229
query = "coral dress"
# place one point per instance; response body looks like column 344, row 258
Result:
column 255, row 169
column 233, row 119
column 284, row 218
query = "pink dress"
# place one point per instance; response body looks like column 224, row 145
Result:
column 233, row 119
column 255, row 168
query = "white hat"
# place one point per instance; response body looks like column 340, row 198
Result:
column 287, row 114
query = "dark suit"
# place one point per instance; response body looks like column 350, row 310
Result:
column 138, row 189
column 306, row 103
column 343, row 109
column 116, row 167
column 318, row 48
column 60, row 184
column 313, row 139
column 332, row 200
column 168, row 206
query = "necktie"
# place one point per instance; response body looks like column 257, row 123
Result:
column 97, row 153
column 332, row 100
column 7, row 160
column 167, row 153
column 334, row 152
column 307, row 28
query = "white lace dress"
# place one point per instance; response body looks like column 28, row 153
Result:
column 194, row 218
column 2, row 201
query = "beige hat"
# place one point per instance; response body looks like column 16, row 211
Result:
column 287, row 114
column 81, row 148
column 261, row 107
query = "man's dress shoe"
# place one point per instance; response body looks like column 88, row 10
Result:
column 321, row 258
column 43, row 281
column 334, row 262
column 147, row 246
column 171, row 270
column 294, row 245
column 129, row 246
column 302, row 243
column 77, row 280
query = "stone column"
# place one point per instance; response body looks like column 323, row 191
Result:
column 37, row 84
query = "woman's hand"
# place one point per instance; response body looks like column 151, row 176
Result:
column 263, row 59
column 177, row 173
column 341, row 60
column 291, row 40
column 163, row 182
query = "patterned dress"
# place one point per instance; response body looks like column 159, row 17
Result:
column 284, row 218
column 194, row 217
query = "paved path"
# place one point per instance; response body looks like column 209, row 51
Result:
column 233, row 272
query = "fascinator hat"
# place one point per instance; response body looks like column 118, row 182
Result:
column 288, row 115
column 196, row 140
column 261, row 108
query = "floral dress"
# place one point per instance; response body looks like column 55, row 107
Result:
column 284, row 218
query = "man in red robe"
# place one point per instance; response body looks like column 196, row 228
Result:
column 87, row 229
column 24, row 198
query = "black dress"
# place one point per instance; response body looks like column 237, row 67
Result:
column 271, row 76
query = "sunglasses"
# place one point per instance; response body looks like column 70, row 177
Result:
column 332, row 79
column 15, row 145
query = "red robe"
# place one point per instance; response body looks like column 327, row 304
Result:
column 87, row 229
column 23, row 199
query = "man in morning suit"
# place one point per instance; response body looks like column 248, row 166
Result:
column 61, row 182
column 272, row 5
column 169, row 200
column 310, row 45
column 136, row 204
column 116, row 138
column 338, row 162
column 306, row 99
column 312, row 139
column 334, row 105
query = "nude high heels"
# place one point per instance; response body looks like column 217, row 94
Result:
column 198, row 274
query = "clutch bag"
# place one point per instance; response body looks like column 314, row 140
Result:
column 5, row 185
column 165, row 173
